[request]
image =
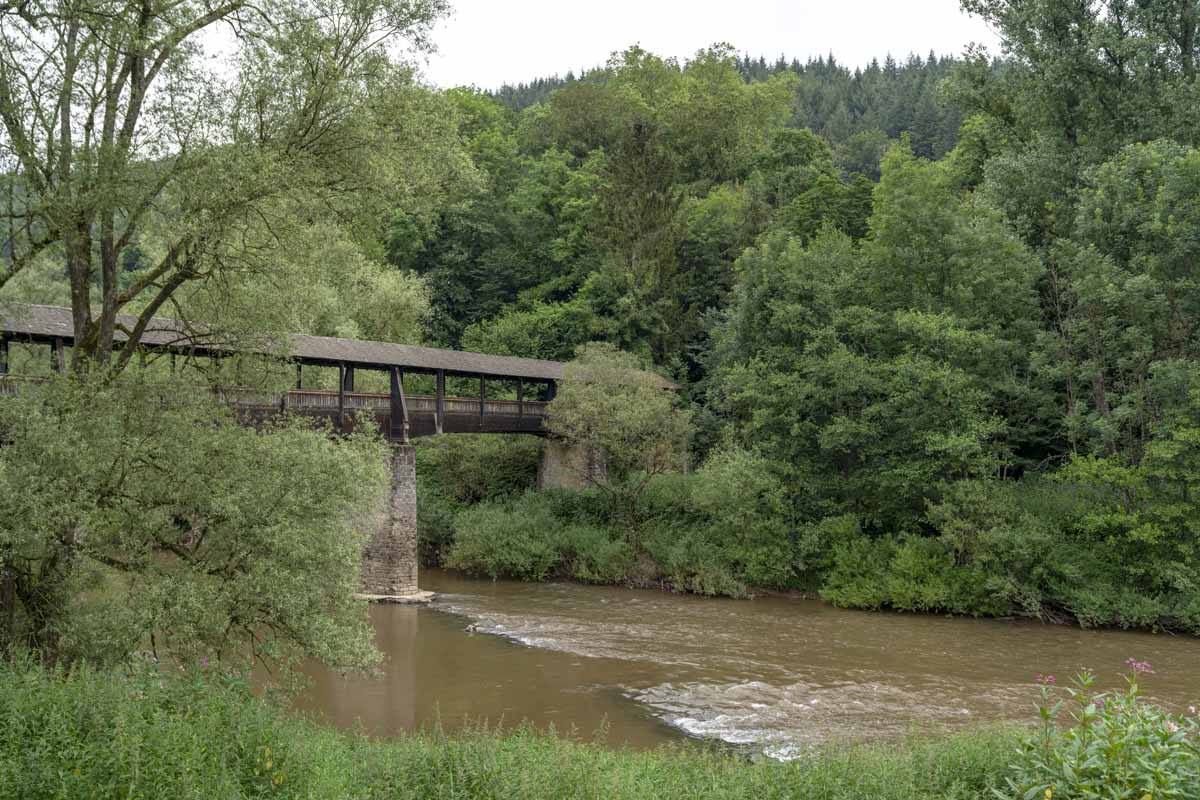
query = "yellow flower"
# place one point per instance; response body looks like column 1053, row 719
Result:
column 1049, row 793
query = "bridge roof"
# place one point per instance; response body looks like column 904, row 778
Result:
column 46, row 323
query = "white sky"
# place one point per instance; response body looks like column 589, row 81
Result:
column 491, row 42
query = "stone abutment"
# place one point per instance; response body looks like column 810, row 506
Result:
column 389, row 566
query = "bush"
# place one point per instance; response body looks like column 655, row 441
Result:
column 713, row 532
column 859, row 574
column 473, row 469
column 540, row 535
column 593, row 555
column 1118, row 746
column 515, row 540
column 454, row 473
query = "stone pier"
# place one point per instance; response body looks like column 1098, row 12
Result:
column 565, row 466
column 389, row 567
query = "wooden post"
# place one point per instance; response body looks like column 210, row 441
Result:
column 299, row 377
column 551, row 390
column 482, row 397
column 440, row 403
column 341, row 397
column 399, row 407
column 173, row 364
column 56, row 355
column 520, row 398
column 3, row 355
column 348, row 379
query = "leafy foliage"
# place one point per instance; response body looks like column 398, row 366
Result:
column 1119, row 745
column 716, row 531
column 139, row 516
column 609, row 408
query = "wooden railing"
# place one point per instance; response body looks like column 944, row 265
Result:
column 310, row 400
column 524, row 416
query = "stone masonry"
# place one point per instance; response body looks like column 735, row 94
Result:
column 563, row 466
column 389, row 567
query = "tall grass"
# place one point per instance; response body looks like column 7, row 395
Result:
column 102, row 735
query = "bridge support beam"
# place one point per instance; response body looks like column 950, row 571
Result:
column 565, row 466
column 440, row 403
column 389, row 566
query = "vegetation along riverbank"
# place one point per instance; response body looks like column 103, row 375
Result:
column 198, row 734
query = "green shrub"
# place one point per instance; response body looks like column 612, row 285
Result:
column 539, row 535
column 690, row 560
column 435, row 523
column 722, row 528
column 1117, row 746
column 594, row 555
column 712, row 532
column 858, row 577
column 472, row 469
column 513, row 540
column 742, row 502
column 455, row 472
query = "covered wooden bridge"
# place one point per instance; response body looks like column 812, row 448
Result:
column 399, row 414
column 389, row 568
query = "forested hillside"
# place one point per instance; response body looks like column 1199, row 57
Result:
column 960, row 365
column 839, row 103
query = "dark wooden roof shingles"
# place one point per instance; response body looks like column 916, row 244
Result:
column 49, row 322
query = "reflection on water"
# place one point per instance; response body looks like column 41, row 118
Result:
column 773, row 673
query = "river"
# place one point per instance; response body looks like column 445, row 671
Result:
column 639, row 668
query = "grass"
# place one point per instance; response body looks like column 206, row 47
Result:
column 101, row 735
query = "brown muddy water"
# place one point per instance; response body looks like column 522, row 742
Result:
column 639, row 668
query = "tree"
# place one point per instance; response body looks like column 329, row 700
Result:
column 117, row 132
column 551, row 331
column 129, row 524
column 607, row 405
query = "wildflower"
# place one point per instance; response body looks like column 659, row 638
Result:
column 1172, row 727
column 1048, row 793
column 1191, row 709
column 1045, row 680
column 1139, row 667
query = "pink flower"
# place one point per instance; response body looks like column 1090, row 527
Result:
column 1045, row 680
column 1139, row 667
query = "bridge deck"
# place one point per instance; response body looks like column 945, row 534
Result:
column 460, row 414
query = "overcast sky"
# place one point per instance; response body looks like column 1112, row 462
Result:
column 491, row 42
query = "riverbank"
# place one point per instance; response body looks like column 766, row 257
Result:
column 997, row 550
column 100, row 735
